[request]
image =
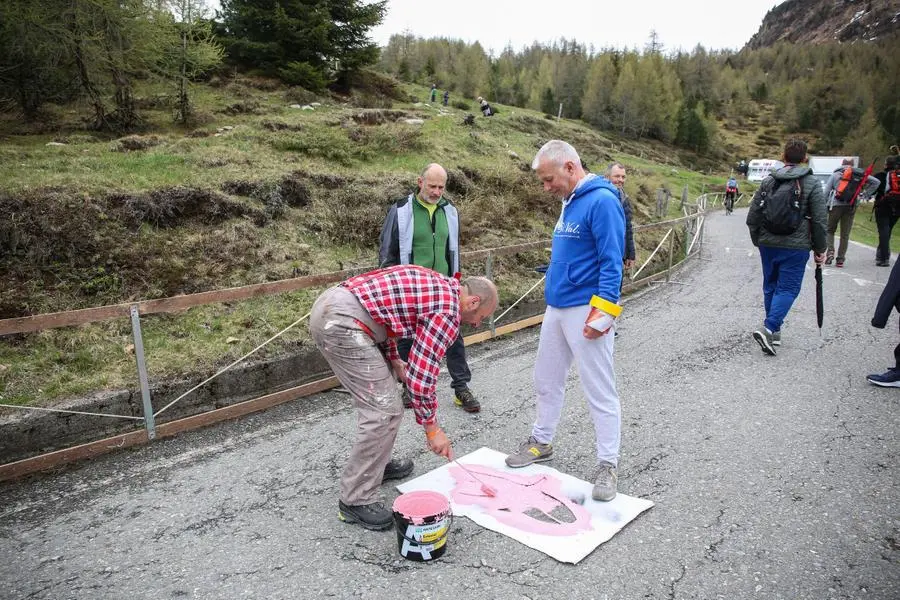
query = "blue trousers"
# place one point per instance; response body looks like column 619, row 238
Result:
column 783, row 270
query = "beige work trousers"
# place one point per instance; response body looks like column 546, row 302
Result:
column 363, row 370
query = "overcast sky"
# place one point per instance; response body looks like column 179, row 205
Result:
column 619, row 24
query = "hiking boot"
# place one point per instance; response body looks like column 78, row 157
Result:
column 605, row 481
column 530, row 452
column 398, row 468
column 889, row 379
column 371, row 516
column 829, row 258
column 776, row 338
column 882, row 263
column 407, row 399
column 465, row 399
column 839, row 262
column 763, row 337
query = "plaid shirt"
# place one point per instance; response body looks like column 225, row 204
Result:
column 417, row 303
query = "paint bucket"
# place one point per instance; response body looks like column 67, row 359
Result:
column 423, row 520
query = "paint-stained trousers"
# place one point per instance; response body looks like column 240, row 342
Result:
column 363, row 370
column 562, row 341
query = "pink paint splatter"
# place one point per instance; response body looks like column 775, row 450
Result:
column 517, row 496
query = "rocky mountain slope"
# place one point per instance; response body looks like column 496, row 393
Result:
column 816, row 21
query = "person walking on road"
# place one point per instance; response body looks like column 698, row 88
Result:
column 354, row 325
column 787, row 218
column 887, row 208
column 423, row 229
column 844, row 189
column 887, row 303
column 582, row 293
column 731, row 192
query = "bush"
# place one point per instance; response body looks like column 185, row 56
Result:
column 330, row 144
column 461, row 105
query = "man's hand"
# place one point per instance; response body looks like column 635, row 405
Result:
column 592, row 334
column 438, row 442
column 629, row 263
column 819, row 258
column 399, row 368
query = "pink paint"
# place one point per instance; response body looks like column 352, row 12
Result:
column 417, row 506
column 517, row 494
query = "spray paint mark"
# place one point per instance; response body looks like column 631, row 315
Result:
column 530, row 503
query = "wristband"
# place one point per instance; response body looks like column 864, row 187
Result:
column 614, row 310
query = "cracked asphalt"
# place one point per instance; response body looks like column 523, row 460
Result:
column 773, row 477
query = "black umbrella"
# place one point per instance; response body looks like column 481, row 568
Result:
column 820, row 309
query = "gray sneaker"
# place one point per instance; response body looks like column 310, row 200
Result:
column 764, row 338
column 605, row 482
column 776, row 338
column 530, row 452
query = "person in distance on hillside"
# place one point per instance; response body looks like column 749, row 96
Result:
column 582, row 293
column 840, row 210
column 446, row 97
column 355, row 325
column 486, row 109
column 887, row 208
column 787, row 218
column 433, row 92
column 423, row 229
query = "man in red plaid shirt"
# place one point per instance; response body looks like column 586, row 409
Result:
column 355, row 325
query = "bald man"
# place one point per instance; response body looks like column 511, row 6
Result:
column 423, row 229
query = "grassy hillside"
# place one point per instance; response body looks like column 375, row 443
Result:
column 263, row 189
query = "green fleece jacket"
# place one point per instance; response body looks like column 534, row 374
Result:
column 812, row 233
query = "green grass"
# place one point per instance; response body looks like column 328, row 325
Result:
column 338, row 229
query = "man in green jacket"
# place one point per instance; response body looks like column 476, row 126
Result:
column 784, row 244
column 423, row 229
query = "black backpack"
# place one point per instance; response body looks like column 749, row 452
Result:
column 779, row 204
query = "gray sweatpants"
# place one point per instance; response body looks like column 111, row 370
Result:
column 363, row 370
column 562, row 342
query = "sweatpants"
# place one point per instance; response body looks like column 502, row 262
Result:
column 460, row 375
column 562, row 341
column 840, row 214
column 363, row 370
column 783, row 270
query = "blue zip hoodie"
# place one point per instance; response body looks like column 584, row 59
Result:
column 588, row 245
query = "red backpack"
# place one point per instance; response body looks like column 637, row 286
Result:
column 892, row 183
column 849, row 186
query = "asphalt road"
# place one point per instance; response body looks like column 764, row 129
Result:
column 773, row 477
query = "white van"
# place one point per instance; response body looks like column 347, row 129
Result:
column 759, row 168
column 823, row 166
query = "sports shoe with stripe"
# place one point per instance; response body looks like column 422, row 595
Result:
column 529, row 453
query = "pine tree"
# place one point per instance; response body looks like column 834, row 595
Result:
column 304, row 42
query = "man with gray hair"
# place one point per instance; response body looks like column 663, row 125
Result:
column 582, row 293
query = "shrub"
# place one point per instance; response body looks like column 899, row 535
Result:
column 461, row 105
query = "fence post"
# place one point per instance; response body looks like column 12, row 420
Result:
column 671, row 252
column 684, row 197
column 489, row 273
column 142, row 371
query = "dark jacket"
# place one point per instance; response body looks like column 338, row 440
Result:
column 629, row 231
column 812, row 204
column 397, row 231
column 889, row 299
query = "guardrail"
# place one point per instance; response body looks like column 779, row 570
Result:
column 691, row 226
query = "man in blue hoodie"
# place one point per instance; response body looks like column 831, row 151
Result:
column 582, row 294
